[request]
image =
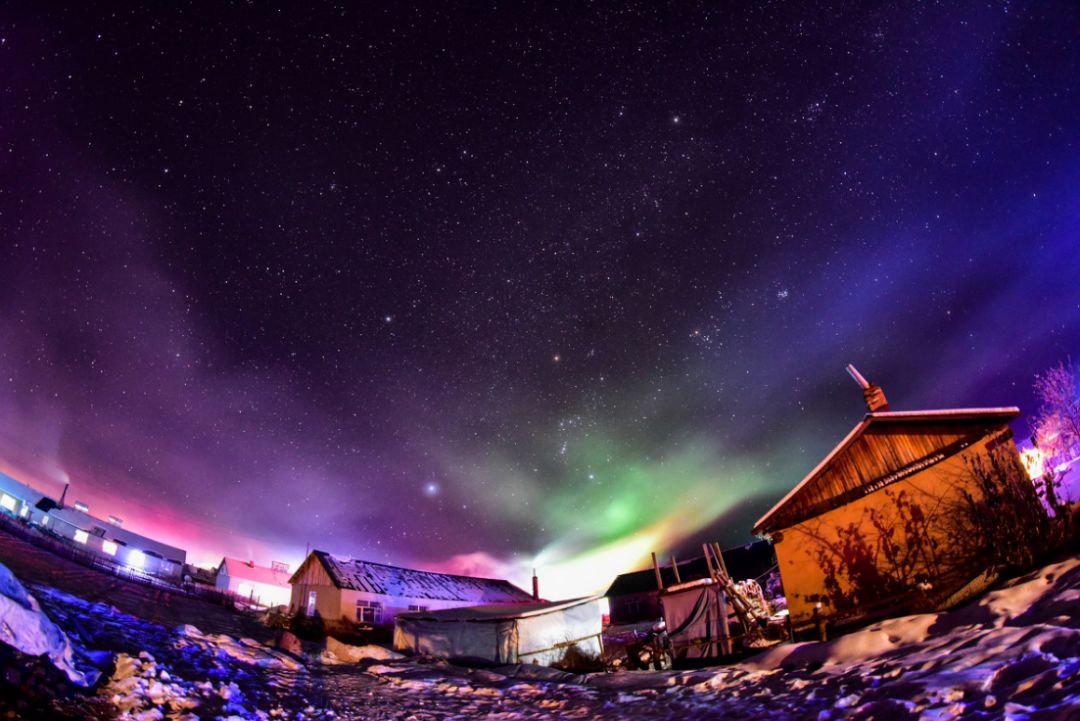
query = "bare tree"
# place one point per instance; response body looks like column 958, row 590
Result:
column 1056, row 428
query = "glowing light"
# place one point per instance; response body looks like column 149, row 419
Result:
column 136, row 559
column 431, row 489
column 1034, row 462
column 8, row 502
column 80, row 506
column 81, row 536
column 109, row 547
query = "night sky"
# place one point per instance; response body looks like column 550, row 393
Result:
column 500, row 287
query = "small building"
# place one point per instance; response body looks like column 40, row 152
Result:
column 335, row 587
column 633, row 597
column 563, row 633
column 876, row 528
column 259, row 585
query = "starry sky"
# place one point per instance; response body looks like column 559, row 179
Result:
column 502, row 286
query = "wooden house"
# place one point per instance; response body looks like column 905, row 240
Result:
column 333, row 588
column 878, row 526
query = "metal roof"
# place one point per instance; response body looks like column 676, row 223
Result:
column 386, row 580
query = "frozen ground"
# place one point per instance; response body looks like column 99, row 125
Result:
column 1013, row 654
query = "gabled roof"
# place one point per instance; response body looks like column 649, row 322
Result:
column 248, row 571
column 370, row 577
column 959, row 421
column 743, row 562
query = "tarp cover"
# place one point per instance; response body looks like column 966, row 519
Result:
column 694, row 618
column 541, row 633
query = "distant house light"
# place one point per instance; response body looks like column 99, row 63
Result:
column 24, row 511
column 80, row 506
column 116, row 521
column 81, row 536
column 136, row 558
column 44, row 520
column 109, row 547
column 8, row 502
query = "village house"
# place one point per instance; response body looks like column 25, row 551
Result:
column 333, row 588
column 259, row 585
column 633, row 597
column 877, row 527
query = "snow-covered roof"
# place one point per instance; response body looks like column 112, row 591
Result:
column 952, row 416
column 380, row 578
column 497, row 612
column 248, row 571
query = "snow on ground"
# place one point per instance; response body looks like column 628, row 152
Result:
column 24, row 627
column 1013, row 654
column 182, row 673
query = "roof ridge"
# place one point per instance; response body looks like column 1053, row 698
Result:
column 416, row 570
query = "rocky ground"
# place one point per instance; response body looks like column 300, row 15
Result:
column 1013, row 654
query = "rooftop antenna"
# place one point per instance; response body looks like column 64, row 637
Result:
column 872, row 394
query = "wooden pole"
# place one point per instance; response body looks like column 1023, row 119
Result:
column 656, row 570
column 708, row 561
column 720, row 559
column 675, row 568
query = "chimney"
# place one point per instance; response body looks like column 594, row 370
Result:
column 872, row 394
column 536, row 586
column 61, row 503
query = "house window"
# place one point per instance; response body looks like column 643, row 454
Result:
column 109, row 547
column 81, row 536
column 368, row 611
column 8, row 502
column 311, row 603
column 414, row 607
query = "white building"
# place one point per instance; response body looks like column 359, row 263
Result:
column 259, row 585
column 114, row 542
column 335, row 588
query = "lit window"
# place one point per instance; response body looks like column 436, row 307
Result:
column 7, row 502
column 81, row 536
column 44, row 520
column 136, row 558
column 413, row 607
column 109, row 547
column 368, row 611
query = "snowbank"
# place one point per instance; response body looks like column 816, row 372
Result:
column 24, row 626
